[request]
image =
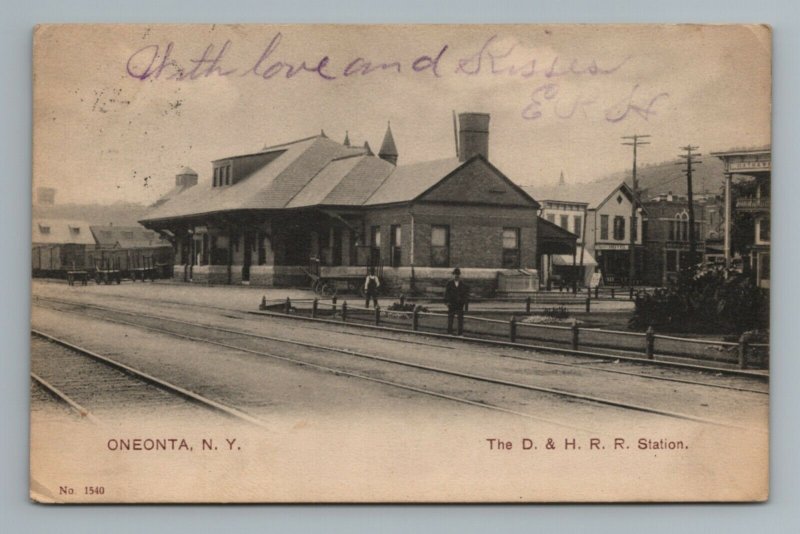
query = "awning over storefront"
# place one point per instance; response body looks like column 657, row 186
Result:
column 567, row 259
column 552, row 239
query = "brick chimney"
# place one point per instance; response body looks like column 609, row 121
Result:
column 473, row 135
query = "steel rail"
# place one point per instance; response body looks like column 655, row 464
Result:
column 50, row 388
column 157, row 382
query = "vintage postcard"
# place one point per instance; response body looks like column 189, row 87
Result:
column 410, row 263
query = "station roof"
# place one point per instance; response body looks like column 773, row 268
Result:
column 314, row 172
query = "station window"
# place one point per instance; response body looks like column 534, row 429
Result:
column 604, row 227
column 440, row 246
column 375, row 241
column 564, row 222
column 74, row 230
column 397, row 248
column 577, row 221
column 551, row 217
column 619, row 228
column 44, row 229
column 511, row 248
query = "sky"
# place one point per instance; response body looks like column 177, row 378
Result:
column 120, row 109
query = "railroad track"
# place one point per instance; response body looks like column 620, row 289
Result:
column 95, row 386
column 203, row 337
column 525, row 352
column 626, row 356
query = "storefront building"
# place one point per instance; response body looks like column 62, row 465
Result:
column 752, row 168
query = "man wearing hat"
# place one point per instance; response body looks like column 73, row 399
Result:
column 456, row 296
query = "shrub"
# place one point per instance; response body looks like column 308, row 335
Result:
column 559, row 312
column 708, row 302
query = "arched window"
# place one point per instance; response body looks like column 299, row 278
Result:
column 679, row 228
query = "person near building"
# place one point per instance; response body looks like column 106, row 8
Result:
column 371, row 285
column 456, row 296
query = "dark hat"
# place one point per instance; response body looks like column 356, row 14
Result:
column 457, row 271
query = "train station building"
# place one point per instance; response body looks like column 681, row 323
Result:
column 317, row 206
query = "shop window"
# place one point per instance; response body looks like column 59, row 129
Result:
column 604, row 227
column 397, row 247
column 577, row 221
column 635, row 227
column 672, row 261
column 763, row 229
column 619, row 228
column 764, row 272
column 511, row 248
column 440, row 246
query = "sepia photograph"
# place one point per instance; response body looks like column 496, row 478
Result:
column 400, row 263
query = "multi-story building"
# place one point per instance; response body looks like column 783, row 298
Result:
column 753, row 167
column 666, row 238
column 570, row 216
column 608, row 235
column 601, row 218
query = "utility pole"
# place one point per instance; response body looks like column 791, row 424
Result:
column 634, row 141
column 690, row 160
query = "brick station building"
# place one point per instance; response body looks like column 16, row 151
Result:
column 270, row 217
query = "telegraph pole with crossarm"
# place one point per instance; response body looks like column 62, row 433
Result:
column 690, row 161
column 634, row 141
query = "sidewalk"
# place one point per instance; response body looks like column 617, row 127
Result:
column 248, row 298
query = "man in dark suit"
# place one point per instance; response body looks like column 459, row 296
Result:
column 456, row 296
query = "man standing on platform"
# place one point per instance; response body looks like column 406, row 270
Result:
column 456, row 296
column 371, row 285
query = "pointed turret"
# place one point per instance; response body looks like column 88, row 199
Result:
column 561, row 180
column 322, row 134
column 368, row 149
column 346, row 141
column 388, row 149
